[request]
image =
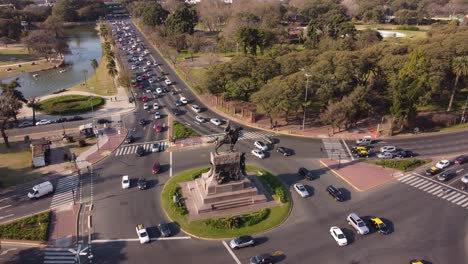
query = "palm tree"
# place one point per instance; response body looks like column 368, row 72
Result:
column 85, row 72
column 460, row 69
column 10, row 88
column 94, row 65
column 112, row 70
column 33, row 103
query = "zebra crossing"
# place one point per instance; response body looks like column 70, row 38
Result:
column 245, row 135
column 58, row 256
column 431, row 187
column 131, row 149
column 66, row 191
column 334, row 148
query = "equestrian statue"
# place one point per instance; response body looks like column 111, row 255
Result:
column 230, row 137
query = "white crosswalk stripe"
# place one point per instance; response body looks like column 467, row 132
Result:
column 128, row 150
column 64, row 191
column 439, row 190
column 58, row 256
column 334, row 148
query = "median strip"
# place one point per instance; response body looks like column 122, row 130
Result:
column 136, row 239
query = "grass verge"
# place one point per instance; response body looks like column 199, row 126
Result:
column 180, row 131
column 70, row 104
column 99, row 83
column 455, row 127
column 202, row 228
column 15, row 164
column 401, row 164
column 35, row 227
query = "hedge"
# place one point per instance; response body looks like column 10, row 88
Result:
column 70, row 104
column 181, row 131
column 239, row 221
column 35, row 227
column 408, row 27
column 402, row 164
column 274, row 185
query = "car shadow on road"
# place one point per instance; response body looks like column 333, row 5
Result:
column 175, row 229
column 310, row 189
column 278, row 258
column 261, row 240
column 350, row 235
column 346, row 194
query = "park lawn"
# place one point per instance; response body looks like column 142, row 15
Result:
column 26, row 67
column 410, row 34
column 70, row 104
column 199, row 228
column 180, row 131
column 35, row 227
column 455, row 127
column 15, row 164
column 19, row 53
column 99, row 83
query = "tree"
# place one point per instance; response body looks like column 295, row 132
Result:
column 85, row 73
column 65, row 10
column 194, row 43
column 54, row 24
column 40, row 42
column 33, row 103
column 9, row 109
column 11, row 89
column 154, row 14
column 251, row 39
column 183, row 20
column 268, row 100
column 94, row 65
column 460, row 69
column 112, row 70
column 10, row 28
column 213, row 13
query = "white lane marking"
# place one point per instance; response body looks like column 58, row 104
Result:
column 435, row 189
column 465, row 204
column 170, row 164
column 414, row 181
column 428, row 187
column 6, row 216
column 460, row 170
column 5, row 199
column 425, row 185
column 6, row 251
column 349, row 152
column 6, row 206
column 406, row 178
column 137, row 240
column 462, row 201
column 419, row 184
column 232, row 253
column 453, row 197
column 458, row 199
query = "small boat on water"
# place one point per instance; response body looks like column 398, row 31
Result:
column 62, row 71
column 35, row 75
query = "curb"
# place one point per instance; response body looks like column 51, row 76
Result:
column 78, row 223
column 19, row 243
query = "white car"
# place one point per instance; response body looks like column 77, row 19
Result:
column 148, row 63
column 157, row 115
column 200, row 119
column 442, row 164
column 388, row 149
column 148, row 91
column 151, row 80
column 140, row 58
column 258, row 153
column 260, row 145
column 183, row 100
column 364, row 141
column 156, row 106
column 301, row 190
column 464, row 179
column 167, row 82
column 125, row 182
column 145, row 69
column 158, row 90
column 43, row 122
column 145, row 106
column 142, row 234
column 339, row 236
column 196, row 108
column 134, row 67
column 215, row 121
column 385, row 155
column 155, row 147
column 147, row 52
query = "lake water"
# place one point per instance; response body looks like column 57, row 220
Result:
column 84, row 45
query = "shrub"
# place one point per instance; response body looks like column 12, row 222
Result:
column 408, row 27
column 82, row 143
column 179, row 205
column 181, row 131
column 403, row 165
column 239, row 221
column 70, row 104
column 35, row 227
column 274, row 186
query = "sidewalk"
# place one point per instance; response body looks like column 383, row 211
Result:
column 62, row 230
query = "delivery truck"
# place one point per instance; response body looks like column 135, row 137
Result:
column 41, row 190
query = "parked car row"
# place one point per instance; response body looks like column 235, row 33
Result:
column 444, row 174
column 261, row 148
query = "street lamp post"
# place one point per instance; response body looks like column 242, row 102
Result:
column 307, row 75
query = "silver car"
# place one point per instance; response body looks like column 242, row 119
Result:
column 358, row 224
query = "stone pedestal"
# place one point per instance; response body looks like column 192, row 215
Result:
column 212, row 193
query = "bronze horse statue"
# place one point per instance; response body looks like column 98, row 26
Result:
column 231, row 137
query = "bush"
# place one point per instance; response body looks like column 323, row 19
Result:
column 181, row 132
column 179, row 206
column 403, row 165
column 274, row 186
column 70, row 104
column 408, row 27
column 239, row 221
column 35, row 227
column 81, row 143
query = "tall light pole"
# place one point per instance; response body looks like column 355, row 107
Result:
column 307, row 75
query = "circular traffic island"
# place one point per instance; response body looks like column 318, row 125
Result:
column 227, row 226
column 70, row 104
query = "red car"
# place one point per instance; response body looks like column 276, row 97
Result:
column 144, row 76
column 158, row 127
column 144, row 98
column 156, row 167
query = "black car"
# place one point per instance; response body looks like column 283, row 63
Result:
column 284, row 151
column 173, row 92
column 262, row 259
column 335, row 193
column 164, row 229
column 142, row 122
column 178, row 103
column 303, row 172
column 176, row 112
column 404, row 154
column 61, row 120
column 446, row 175
column 129, row 139
column 76, row 118
column 103, row 121
column 140, row 151
column 141, row 183
column 165, row 90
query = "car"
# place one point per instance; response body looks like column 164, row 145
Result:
column 362, row 153
column 156, row 167
column 176, row 112
column 178, row 103
column 284, row 151
column 139, row 79
column 446, row 175
column 464, row 179
column 125, row 182
column 442, row 164
column 155, row 147
column 339, row 236
column 145, row 69
column 103, row 121
column 364, row 141
column 215, row 121
column 432, row 171
column 151, row 80
column 183, row 100
column 158, row 90
column 144, row 98
column 404, row 154
column 258, row 153
column 142, row 183
column 461, row 159
column 148, row 63
column 388, row 149
column 129, row 139
column 145, row 106
column 140, row 58
column 142, row 122
column 142, row 234
column 60, row 120
column 164, row 229
column 200, row 119
column 301, row 190
column 165, row 89
column 140, row 151
column 76, row 118
column 155, row 106
column 144, row 76
column 356, row 222
column 134, row 67
column 196, row 108
column 43, row 122
column 260, row 145
column 167, row 82
column 357, row 149
column 157, row 115
column 305, row 173
column 385, row 155
column 379, row 225
column 173, row 92
column 26, row 124
column 335, row 193
column 158, row 127
column 242, row 241
column 415, row 261
column 262, row 259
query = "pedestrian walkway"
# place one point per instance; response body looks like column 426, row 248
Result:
column 245, row 135
column 131, row 149
column 335, row 149
column 434, row 188
column 58, row 256
column 66, row 191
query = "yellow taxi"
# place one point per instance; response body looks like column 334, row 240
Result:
column 379, row 225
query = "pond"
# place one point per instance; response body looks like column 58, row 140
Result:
column 84, row 45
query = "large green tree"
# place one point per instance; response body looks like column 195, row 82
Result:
column 460, row 70
column 9, row 109
column 154, row 14
column 183, row 20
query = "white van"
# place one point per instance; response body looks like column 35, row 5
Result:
column 41, row 190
